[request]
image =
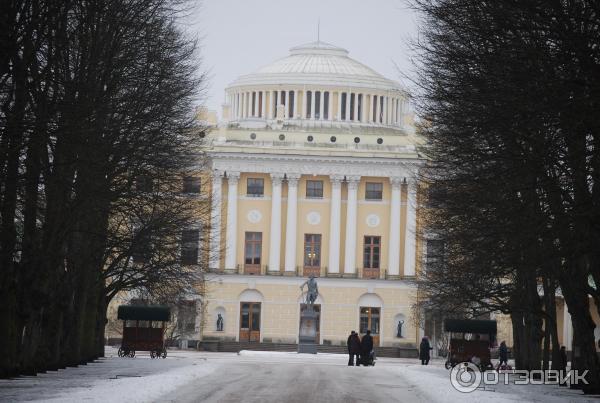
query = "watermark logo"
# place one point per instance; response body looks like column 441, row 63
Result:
column 467, row 377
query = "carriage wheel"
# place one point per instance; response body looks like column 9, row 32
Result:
column 163, row 353
column 132, row 354
column 121, row 353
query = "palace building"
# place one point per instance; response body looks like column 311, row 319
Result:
column 313, row 172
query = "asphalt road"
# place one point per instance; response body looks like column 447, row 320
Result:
column 262, row 379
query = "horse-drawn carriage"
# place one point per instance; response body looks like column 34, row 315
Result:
column 470, row 341
column 143, row 330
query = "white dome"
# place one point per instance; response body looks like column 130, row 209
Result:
column 318, row 63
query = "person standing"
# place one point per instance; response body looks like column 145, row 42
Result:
column 353, row 348
column 503, row 354
column 366, row 346
column 424, row 348
column 562, row 365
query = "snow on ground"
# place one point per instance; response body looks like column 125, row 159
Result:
column 110, row 379
column 433, row 381
column 269, row 376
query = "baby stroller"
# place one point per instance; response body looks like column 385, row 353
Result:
column 369, row 360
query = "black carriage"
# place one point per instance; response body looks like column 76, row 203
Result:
column 470, row 341
column 143, row 330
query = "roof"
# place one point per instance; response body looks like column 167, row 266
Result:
column 470, row 326
column 143, row 312
column 318, row 63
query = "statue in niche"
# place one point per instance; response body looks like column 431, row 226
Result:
column 219, row 323
column 312, row 293
column 399, row 329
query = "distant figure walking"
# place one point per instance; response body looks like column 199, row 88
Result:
column 424, row 348
column 366, row 346
column 562, row 364
column 503, row 354
column 353, row 348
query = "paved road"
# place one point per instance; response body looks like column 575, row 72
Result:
column 264, row 379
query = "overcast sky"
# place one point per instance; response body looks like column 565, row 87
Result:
column 239, row 36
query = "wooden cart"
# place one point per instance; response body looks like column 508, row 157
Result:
column 470, row 341
column 143, row 329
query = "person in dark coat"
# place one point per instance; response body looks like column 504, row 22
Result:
column 562, row 364
column 503, row 354
column 366, row 346
column 424, row 348
column 353, row 348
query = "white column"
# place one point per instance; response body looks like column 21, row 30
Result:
column 291, row 223
column 356, row 119
column 275, row 235
column 385, row 110
column 329, row 105
column 273, row 105
column 411, row 228
column 567, row 327
column 339, row 106
column 322, row 105
column 255, row 104
column 215, row 220
column 351, row 212
column 335, row 223
column 312, row 105
column 348, row 106
column 295, row 104
column 394, row 239
column 263, row 106
column 231, row 234
column 304, row 101
column 242, row 103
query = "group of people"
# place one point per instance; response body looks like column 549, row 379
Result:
column 361, row 349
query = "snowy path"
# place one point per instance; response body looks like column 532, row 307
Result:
column 189, row 376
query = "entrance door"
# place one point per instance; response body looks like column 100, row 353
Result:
column 250, row 321
column 317, row 309
column 369, row 319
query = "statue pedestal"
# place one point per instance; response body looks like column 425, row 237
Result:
column 308, row 332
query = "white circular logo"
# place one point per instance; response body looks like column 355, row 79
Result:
column 373, row 220
column 465, row 377
column 313, row 218
column 254, row 216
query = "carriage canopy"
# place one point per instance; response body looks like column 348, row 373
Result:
column 144, row 312
column 470, row 326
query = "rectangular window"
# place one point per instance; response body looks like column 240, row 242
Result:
column 291, row 102
column 141, row 246
column 252, row 106
column 308, row 103
column 352, row 100
column 372, row 252
column 374, row 191
column 317, row 104
column 191, row 184
column 143, row 183
column 260, row 103
column 186, row 316
column 190, row 239
column 326, row 105
column 435, row 252
column 312, row 254
column 380, row 109
column 256, row 187
column 252, row 252
column 343, row 113
column 314, row 189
